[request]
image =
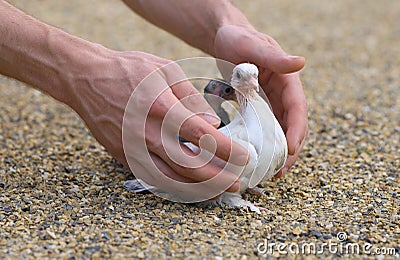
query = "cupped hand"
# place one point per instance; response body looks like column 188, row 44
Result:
column 279, row 78
column 102, row 90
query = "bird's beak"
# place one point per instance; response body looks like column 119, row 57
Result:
column 254, row 83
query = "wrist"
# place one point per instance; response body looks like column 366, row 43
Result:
column 75, row 61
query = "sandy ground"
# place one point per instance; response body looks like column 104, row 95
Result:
column 62, row 195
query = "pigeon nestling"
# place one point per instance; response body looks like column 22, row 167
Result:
column 256, row 129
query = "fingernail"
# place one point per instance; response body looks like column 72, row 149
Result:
column 291, row 57
column 242, row 159
column 278, row 174
column 239, row 156
column 235, row 186
column 213, row 120
column 281, row 173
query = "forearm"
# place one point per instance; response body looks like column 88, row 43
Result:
column 36, row 53
column 196, row 22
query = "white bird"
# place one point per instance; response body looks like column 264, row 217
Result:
column 256, row 129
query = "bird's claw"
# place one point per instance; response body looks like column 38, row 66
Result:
column 258, row 205
column 256, row 191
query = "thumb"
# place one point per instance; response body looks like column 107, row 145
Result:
column 240, row 44
column 266, row 52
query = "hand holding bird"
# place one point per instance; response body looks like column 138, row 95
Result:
column 256, row 129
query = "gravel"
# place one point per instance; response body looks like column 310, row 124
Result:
column 61, row 194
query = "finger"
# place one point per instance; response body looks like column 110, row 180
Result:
column 165, row 168
column 194, row 128
column 280, row 173
column 168, row 171
column 290, row 161
column 266, row 52
column 188, row 94
column 203, row 173
column 181, row 159
column 295, row 105
column 296, row 133
column 297, row 153
column 195, row 102
column 275, row 100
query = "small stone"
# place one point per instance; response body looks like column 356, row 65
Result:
column 296, row 231
column 354, row 237
column 326, row 236
column 317, row 234
column 51, row 234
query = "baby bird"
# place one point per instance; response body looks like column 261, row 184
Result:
column 257, row 130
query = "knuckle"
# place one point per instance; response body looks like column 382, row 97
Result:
column 174, row 73
column 195, row 101
column 160, row 106
column 196, row 132
column 153, row 139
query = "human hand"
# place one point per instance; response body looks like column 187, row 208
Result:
column 103, row 89
column 278, row 77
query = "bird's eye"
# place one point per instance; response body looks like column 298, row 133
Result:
column 238, row 75
column 227, row 90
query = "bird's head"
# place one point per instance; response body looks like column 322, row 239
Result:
column 245, row 80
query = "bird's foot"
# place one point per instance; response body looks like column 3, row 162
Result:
column 207, row 204
column 236, row 200
column 256, row 191
column 255, row 207
column 259, row 206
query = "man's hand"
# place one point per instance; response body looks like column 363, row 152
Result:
column 103, row 87
column 98, row 82
column 221, row 30
column 278, row 77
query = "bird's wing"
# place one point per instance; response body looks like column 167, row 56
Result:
column 263, row 131
column 241, row 132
